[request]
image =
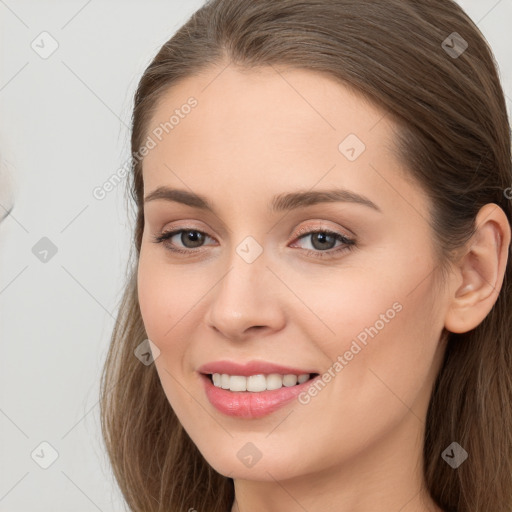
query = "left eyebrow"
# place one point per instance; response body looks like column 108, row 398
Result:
column 293, row 200
column 279, row 203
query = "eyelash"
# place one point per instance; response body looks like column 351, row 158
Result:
column 348, row 243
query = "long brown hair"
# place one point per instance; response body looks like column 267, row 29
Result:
column 453, row 136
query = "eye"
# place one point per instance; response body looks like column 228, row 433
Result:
column 190, row 238
column 322, row 241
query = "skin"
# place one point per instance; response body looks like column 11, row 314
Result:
column 357, row 445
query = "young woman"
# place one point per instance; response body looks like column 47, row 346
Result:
column 318, row 315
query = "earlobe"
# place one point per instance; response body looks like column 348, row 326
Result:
column 480, row 271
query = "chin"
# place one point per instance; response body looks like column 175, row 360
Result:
column 266, row 469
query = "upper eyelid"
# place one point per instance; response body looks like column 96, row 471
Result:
column 321, row 227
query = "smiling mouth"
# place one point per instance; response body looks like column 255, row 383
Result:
column 258, row 382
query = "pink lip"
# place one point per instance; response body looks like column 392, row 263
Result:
column 251, row 405
column 250, row 368
column 248, row 404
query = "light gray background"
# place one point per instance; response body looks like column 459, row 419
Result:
column 64, row 131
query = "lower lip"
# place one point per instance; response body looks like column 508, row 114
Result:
column 249, row 404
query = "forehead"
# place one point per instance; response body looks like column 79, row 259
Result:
column 252, row 105
column 267, row 128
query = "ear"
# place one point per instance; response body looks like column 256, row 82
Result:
column 480, row 271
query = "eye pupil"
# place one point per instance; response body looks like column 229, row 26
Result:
column 323, row 240
column 191, row 236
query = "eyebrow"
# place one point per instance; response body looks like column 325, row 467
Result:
column 279, row 203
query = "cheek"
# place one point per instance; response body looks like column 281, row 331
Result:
column 165, row 297
column 380, row 365
column 153, row 301
column 389, row 353
column 383, row 316
column 352, row 301
column 169, row 297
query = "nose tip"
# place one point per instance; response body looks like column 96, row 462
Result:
column 242, row 305
column 229, row 331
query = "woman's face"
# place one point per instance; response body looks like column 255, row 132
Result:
column 258, row 279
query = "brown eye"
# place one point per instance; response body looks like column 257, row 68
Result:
column 195, row 238
column 189, row 239
column 323, row 241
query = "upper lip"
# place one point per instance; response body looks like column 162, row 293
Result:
column 250, row 368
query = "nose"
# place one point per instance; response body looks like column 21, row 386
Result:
column 247, row 301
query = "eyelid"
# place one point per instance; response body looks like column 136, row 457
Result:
column 323, row 228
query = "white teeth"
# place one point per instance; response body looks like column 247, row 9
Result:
column 303, row 378
column 217, row 379
column 274, row 381
column 256, row 383
column 289, row 380
column 224, row 382
column 237, row 383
